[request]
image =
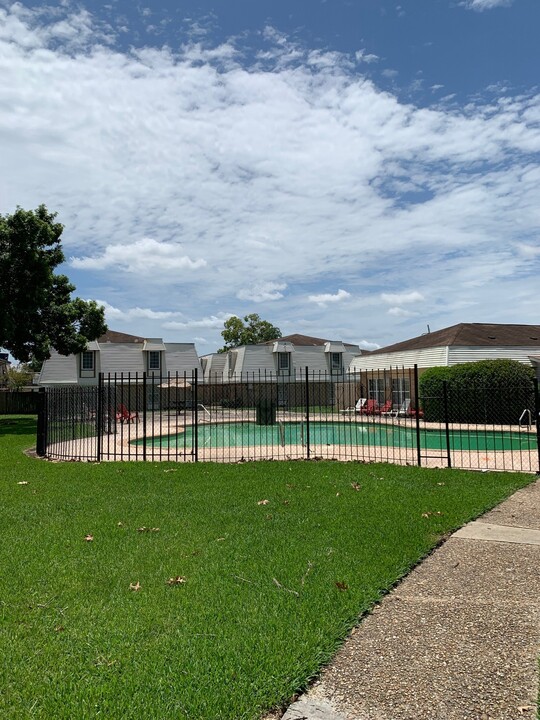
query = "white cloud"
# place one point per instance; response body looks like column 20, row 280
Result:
column 114, row 314
column 294, row 166
column 362, row 56
column 367, row 345
column 213, row 322
column 527, row 250
column 402, row 298
column 401, row 312
column 142, row 256
column 480, row 5
column 325, row 298
column 263, row 292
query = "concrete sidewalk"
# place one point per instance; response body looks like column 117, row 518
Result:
column 458, row 639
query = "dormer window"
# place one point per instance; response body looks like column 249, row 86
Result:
column 336, row 362
column 284, row 363
column 88, row 360
column 154, row 360
column 154, row 349
column 87, row 364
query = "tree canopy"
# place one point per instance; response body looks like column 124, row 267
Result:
column 37, row 311
column 247, row 331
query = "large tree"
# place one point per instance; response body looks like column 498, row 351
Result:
column 37, row 311
column 249, row 331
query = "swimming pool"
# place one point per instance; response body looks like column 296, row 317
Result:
column 249, row 434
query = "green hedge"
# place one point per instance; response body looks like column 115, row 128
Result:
column 487, row 391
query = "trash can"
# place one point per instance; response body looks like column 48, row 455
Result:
column 265, row 412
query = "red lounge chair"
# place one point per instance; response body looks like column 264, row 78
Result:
column 124, row 415
column 386, row 409
column 370, row 408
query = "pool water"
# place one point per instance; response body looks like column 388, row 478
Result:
column 246, row 434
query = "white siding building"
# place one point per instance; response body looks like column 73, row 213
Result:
column 121, row 355
column 462, row 343
column 286, row 358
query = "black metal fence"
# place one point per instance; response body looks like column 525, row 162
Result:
column 368, row 416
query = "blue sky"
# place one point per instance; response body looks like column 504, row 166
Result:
column 352, row 170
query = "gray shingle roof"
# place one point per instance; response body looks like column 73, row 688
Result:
column 471, row 335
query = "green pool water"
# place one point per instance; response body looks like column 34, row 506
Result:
column 219, row 435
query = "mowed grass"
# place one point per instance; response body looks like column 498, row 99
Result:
column 279, row 561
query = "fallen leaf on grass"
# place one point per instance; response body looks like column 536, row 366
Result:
column 441, row 483
column 120, row 524
column 89, row 538
column 145, row 529
column 263, row 502
column 101, row 660
column 341, row 586
column 429, row 514
column 23, row 482
column 171, row 470
column 59, row 628
column 135, row 586
column 220, row 539
column 356, row 486
column 178, row 580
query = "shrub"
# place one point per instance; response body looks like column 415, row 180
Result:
column 486, row 391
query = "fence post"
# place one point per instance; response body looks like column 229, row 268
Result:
column 417, row 408
column 42, row 419
column 537, row 417
column 446, row 423
column 144, row 404
column 99, row 417
column 195, row 415
column 308, row 446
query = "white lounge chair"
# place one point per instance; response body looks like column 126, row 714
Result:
column 404, row 409
column 357, row 408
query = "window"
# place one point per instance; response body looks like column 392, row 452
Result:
column 154, row 360
column 336, row 362
column 376, row 390
column 284, row 363
column 87, row 360
column 401, row 390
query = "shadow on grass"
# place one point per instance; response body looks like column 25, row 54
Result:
column 17, row 425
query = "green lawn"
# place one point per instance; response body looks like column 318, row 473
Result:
column 279, row 561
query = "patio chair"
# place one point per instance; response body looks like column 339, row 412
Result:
column 404, row 408
column 357, row 408
column 386, row 409
column 124, row 415
column 370, row 408
column 407, row 411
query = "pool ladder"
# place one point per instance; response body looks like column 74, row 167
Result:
column 524, row 414
column 206, row 410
